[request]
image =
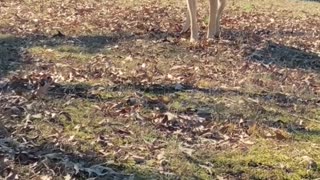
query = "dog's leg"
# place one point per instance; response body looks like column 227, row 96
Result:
column 212, row 19
column 221, row 5
column 187, row 23
column 192, row 9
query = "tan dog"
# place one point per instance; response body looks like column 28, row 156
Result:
column 216, row 8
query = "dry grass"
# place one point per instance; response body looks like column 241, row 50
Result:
column 132, row 96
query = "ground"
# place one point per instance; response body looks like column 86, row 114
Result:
column 112, row 90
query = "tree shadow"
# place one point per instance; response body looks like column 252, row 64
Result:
column 82, row 91
column 258, row 48
column 50, row 159
column 286, row 57
column 11, row 54
column 14, row 56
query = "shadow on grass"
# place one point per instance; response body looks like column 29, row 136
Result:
column 286, row 57
column 260, row 49
column 13, row 57
column 217, row 111
column 13, row 49
column 50, row 159
column 10, row 54
column 272, row 53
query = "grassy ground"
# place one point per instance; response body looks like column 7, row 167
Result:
column 111, row 90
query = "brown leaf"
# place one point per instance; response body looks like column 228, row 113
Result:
column 43, row 88
column 138, row 159
column 186, row 150
column 280, row 135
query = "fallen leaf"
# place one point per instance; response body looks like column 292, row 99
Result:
column 46, row 177
column 67, row 177
column 185, row 150
column 161, row 155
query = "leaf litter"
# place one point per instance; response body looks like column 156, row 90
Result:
column 138, row 72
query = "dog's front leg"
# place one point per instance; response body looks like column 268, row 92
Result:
column 216, row 8
column 186, row 25
column 212, row 19
column 192, row 10
column 221, row 6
